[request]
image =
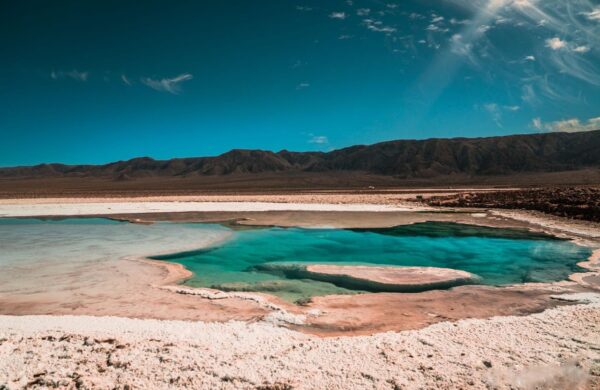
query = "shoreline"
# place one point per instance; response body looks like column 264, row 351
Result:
column 533, row 298
column 591, row 264
column 572, row 281
column 591, row 278
column 160, row 333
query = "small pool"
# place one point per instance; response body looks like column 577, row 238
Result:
column 497, row 256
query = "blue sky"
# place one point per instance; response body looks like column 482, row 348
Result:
column 99, row 81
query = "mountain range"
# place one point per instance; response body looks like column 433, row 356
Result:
column 403, row 159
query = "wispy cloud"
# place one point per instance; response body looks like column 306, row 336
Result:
column 125, row 79
column 568, row 125
column 455, row 21
column 496, row 111
column 537, row 88
column 416, row 16
column 378, row 26
column 462, row 47
column 528, row 94
column 484, row 28
column 559, row 44
column 594, row 14
column 171, row 85
column 302, row 86
column 565, row 38
column 437, row 24
column 581, row 49
column 318, row 139
column 298, row 64
column 536, row 123
column 572, row 62
column 73, row 74
column 338, row 15
column 436, row 28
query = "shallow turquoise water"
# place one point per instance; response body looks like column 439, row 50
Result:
column 497, row 256
column 251, row 260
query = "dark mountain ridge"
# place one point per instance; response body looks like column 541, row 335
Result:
column 430, row 158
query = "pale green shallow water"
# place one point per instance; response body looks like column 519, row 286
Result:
column 75, row 256
column 497, row 256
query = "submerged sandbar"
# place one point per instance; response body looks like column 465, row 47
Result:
column 396, row 278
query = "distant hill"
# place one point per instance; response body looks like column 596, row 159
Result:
column 404, row 159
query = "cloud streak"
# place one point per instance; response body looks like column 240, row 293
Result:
column 594, row 14
column 495, row 110
column 338, row 15
column 378, row 26
column 73, row 74
column 170, row 85
column 565, row 38
column 318, row 139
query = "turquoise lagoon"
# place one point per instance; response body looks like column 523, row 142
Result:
column 35, row 251
column 257, row 259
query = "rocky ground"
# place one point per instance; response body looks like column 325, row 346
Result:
column 581, row 203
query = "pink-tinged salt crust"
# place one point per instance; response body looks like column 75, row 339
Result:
column 557, row 349
column 245, row 340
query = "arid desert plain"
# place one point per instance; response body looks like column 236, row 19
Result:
column 90, row 308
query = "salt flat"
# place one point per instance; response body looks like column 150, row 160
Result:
column 558, row 349
column 108, row 208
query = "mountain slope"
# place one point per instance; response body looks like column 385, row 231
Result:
column 552, row 152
